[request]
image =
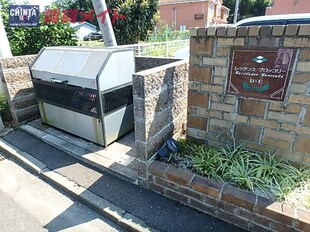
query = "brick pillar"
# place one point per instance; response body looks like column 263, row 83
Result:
column 218, row 118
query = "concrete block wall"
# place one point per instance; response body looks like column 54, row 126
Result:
column 217, row 118
column 18, row 87
column 148, row 62
column 160, row 108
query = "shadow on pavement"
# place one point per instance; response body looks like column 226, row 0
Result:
column 155, row 210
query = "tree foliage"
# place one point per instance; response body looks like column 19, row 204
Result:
column 247, row 8
column 81, row 6
column 141, row 17
column 25, row 41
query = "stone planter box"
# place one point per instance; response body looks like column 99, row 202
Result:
column 221, row 200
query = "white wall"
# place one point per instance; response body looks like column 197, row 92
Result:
column 83, row 31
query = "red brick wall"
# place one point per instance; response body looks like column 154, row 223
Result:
column 183, row 13
column 288, row 7
column 217, row 118
column 223, row 201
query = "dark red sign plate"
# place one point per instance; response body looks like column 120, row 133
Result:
column 260, row 73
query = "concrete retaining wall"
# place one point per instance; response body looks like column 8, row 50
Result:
column 148, row 62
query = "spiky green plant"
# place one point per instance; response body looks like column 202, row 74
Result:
column 281, row 189
column 271, row 167
column 298, row 175
column 265, row 174
column 242, row 173
column 207, row 163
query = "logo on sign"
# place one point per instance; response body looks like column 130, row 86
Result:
column 246, row 86
column 259, row 59
column 24, row 15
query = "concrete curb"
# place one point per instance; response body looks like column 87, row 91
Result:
column 102, row 206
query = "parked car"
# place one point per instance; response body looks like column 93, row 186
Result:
column 284, row 19
column 92, row 36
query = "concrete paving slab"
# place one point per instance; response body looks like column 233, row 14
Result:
column 122, row 145
column 34, row 131
column 116, row 158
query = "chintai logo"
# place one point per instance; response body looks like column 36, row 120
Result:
column 24, row 15
column 259, row 59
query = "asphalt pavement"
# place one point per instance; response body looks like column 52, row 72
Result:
column 27, row 203
column 14, row 218
column 155, row 210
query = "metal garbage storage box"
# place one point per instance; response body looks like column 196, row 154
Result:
column 85, row 91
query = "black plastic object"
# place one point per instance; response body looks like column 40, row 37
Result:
column 117, row 98
column 171, row 146
column 73, row 98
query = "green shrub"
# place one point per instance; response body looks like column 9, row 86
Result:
column 141, row 17
column 3, row 102
column 4, row 109
column 265, row 174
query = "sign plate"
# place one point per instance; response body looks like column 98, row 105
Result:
column 24, row 15
column 260, row 73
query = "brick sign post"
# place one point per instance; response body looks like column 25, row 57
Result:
column 260, row 73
